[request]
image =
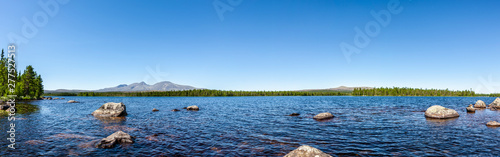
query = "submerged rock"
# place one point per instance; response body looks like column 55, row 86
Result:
column 154, row 110
column 111, row 109
column 35, row 142
column 493, row 123
column 480, row 104
column 495, row 104
column 118, row 137
column 294, row 114
column 471, row 108
column 323, row 116
column 307, row 151
column 440, row 112
column 175, row 110
column 72, row 101
column 194, row 108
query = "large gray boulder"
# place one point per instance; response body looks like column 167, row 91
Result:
column 323, row 116
column 111, row 109
column 495, row 104
column 440, row 112
column 307, row 151
column 480, row 104
column 118, row 137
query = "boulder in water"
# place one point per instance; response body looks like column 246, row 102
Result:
column 480, row 104
column 193, row 108
column 72, row 101
column 118, row 137
column 154, row 110
column 307, row 151
column 294, row 114
column 495, row 104
column 323, row 116
column 175, row 110
column 440, row 112
column 493, row 123
column 471, row 108
column 111, row 109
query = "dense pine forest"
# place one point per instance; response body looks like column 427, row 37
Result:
column 28, row 83
column 395, row 91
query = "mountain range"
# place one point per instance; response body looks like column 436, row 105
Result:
column 169, row 86
column 134, row 87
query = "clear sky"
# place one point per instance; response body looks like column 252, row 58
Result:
column 258, row 44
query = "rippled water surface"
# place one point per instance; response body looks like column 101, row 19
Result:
column 256, row 126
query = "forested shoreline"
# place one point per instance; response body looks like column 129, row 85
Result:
column 394, row 91
column 28, row 84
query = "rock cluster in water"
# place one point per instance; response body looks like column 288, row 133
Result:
column 111, row 109
column 440, row 112
column 307, row 151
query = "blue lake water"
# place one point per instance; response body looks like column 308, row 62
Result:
column 256, row 126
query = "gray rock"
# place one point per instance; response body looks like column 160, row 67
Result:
column 440, row 112
column 471, row 108
column 493, row 123
column 154, row 110
column 118, row 137
column 175, row 110
column 495, row 104
column 72, row 101
column 294, row 114
column 194, row 108
column 111, row 109
column 323, row 116
column 307, row 151
column 480, row 104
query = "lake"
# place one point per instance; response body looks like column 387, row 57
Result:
column 257, row 126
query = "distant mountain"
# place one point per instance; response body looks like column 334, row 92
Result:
column 134, row 87
column 340, row 89
column 142, row 86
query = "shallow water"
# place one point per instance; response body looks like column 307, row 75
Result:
column 257, row 126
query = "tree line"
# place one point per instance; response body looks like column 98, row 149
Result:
column 383, row 91
column 28, row 84
column 396, row 91
column 213, row 93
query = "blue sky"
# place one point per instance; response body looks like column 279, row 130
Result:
column 259, row 45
